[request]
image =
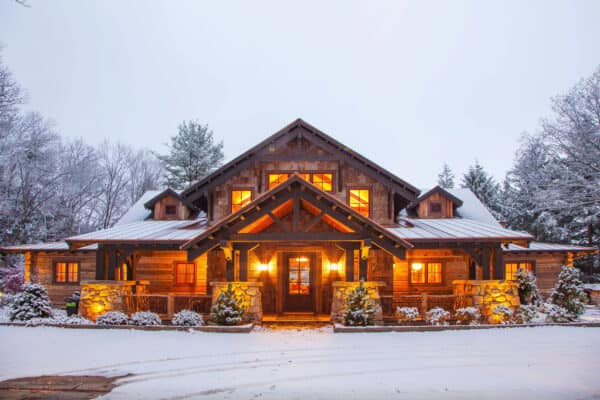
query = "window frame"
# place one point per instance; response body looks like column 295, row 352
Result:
column 426, row 268
column 174, row 207
column 194, row 274
column 67, row 262
column 239, row 188
column 519, row 262
column 437, row 204
column 370, row 189
column 310, row 174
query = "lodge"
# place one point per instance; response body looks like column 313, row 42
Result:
column 293, row 223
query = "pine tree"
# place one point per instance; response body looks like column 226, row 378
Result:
column 529, row 293
column 32, row 302
column 446, row 178
column 568, row 292
column 228, row 308
column 360, row 307
column 483, row 186
column 193, row 155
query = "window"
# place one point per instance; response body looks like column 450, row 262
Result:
column 185, row 273
column 66, row 272
column 240, row 198
column 358, row 199
column 306, row 177
column 426, row 272
column 323, row 181
column 121, row 272
column 299, row 275
column 511, row 269
column 276, row 179
column 170, row 209
column 435, row 207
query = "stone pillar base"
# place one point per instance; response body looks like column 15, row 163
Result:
column 340, row 292
column 251, row 297
column 486, row 295
column 98, row 297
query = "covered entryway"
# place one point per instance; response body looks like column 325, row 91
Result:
column 299, row 282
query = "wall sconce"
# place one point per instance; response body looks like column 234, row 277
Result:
column 333, row 267
column 263, row 267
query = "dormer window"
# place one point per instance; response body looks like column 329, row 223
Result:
column 170, row 210
column 435, row 207
column 239, row 199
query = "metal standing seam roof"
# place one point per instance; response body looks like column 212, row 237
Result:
column 167, row 231
column 540, row 246
column 453, row 228
column 55, row 246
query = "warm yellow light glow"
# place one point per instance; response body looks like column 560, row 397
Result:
column 417, row 266
column 301, row 259
column 333, row 267
column 98, row 308
column 263, row 267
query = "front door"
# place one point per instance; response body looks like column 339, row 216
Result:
column 299, row 285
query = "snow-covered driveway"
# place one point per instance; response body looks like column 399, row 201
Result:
column 545, row 362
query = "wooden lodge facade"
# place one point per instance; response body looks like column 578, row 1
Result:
column 289, row 221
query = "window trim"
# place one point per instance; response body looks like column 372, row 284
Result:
column 437, row 203
column 520, row 261
column 311, row 173
column 370, row 189
column 194, row 278
column 167, row 214
column 425, row 262
column 240, row 188
column 66, row 261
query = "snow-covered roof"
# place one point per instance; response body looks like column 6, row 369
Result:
column 137, row 212
column 540, row 246
column 453, row 229
column 54, row 246
column 156, row 231
column 472, row 207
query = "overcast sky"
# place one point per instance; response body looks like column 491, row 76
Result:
column 410, row 85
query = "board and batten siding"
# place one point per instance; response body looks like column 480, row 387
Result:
column 547, row 266
column 158, row 267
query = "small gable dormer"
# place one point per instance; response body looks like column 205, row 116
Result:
column 435, row 203
column 169, row 205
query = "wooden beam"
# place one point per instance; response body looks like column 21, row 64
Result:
column 100, row 264
column 364, row 249
column 485, row 263
column 296, row 236
column 296, row 216
column 278, row 221
column 499, row 272
column 111, row 254
column 314, row 221
column 227, row 249
column 244, row 248
column 350, row 262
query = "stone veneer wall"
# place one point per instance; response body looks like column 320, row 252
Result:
column 251, row 295
column 340, row 291
column 487, row 294
column 98, row 297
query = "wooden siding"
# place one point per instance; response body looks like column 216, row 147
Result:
column 547, row 266
column 447, row 210
column 160, row 207
column 158, row 267
column 42, row 267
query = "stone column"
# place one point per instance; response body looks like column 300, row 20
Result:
column 340, row 292
column 98, row 297
column 251, row 297
column 487, row 294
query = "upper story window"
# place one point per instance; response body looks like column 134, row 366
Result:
column 185, row 273
column 359, row 200
column 170, row 209
column 276, row 179
column 435, row 207
column 322, row 180
column 240, row 198
column 66, row 272
column 426, row 272
column 511, row 269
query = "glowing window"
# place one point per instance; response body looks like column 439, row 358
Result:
column 511, row 270
column 299, row 276
column 276, row 179
column 434, row 272
column 240, row 198
column 121, row 272
column 323, row 181
column 306, row 177
column 66, row 272
column 417, row 273
column 184, row 273
column 358, row 199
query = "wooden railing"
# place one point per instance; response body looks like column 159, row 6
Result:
column 166, row 305
column 424, row 302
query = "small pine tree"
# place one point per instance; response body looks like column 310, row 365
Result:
column 568, row 292
column 529, row 293
column 360, row 307
column 446, row 178
column 228, row 309
column 32, row 302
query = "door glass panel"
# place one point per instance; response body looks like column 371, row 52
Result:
column 299, row 275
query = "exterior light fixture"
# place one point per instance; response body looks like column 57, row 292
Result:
column 333, row 267
column 263, row 267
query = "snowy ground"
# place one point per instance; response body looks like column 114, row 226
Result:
column 542, row 362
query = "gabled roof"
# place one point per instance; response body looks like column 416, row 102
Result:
column 437, row 189
column 472, row 208
column 296, row 129
column 168, row 192
column 137, row 212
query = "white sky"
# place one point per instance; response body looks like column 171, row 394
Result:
column 408, row 84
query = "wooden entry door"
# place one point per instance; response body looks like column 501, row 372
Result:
column 299, row 282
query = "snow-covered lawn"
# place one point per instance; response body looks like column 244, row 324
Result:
column 541, row 362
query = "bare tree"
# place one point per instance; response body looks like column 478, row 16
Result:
column 145, row 172
column 113, row 162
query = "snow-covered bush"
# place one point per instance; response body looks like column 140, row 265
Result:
column 32, row 302
column 360, row 308
column 467, row 316
column 502, row 314
column 145, row 318
column 437, row 316
column 568, row 292
column 187, row 318
column 555, row 313
column 528, row 290
column 60, row 320
column 407, row 314
column 228, row 308
column 11, row 277
column 112, row 318
column 526, row 314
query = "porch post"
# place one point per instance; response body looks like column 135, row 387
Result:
column 499, row 272
column 244, row 248
column 229, row 273
column 485, row 263
column 112, row 263
column 100, row 264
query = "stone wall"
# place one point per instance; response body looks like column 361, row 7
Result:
column 487, row 295
column 251, row 297
column 98, row 297
column 340, row 291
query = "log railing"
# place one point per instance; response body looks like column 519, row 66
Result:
column 424, row 302
column 166, row 305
